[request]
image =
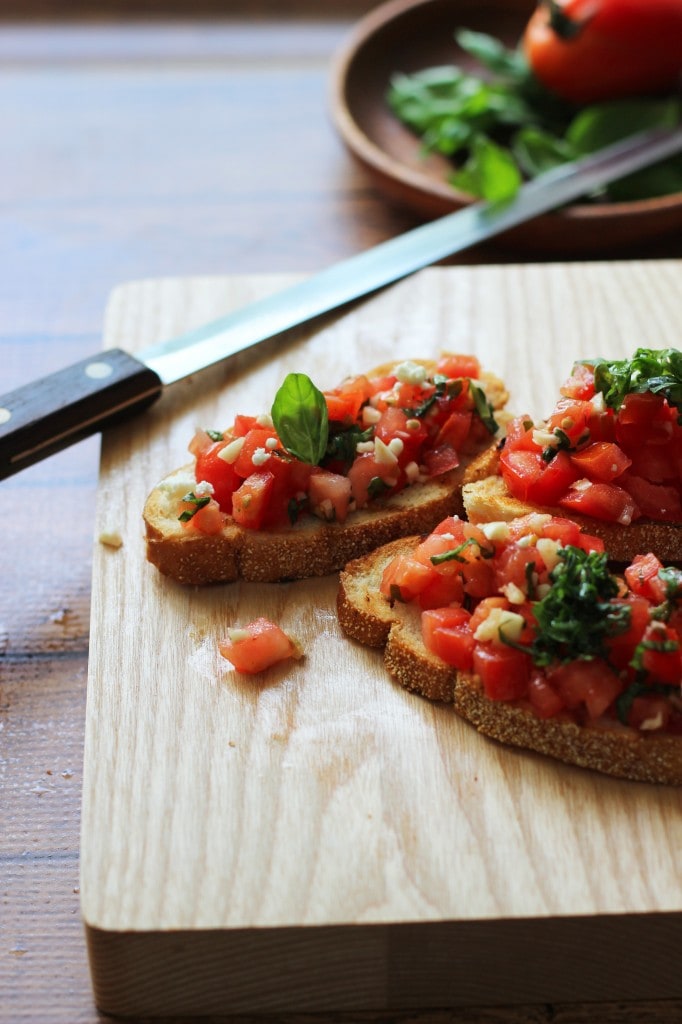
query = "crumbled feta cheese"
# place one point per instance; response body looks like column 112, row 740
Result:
column 204, row 489
column 411, row 373
column 510, row 623
column 260, row 457
column 230, row 453
column 496, row 530
column 271, row 443
column 175, row 487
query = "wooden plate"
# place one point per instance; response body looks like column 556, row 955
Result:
column 410, row 35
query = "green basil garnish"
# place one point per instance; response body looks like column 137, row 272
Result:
column 198, row 503
column 299, row 413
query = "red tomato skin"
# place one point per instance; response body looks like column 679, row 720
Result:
column 621, row 48
column 602, row 461
column 642, row 577
column 219, row 473
column 591, row 684
column 504, row 671
column 530, row 478
column 266, row 645
column 460, row 365
column 544, row 699
column 250, row 500
column 601, row 501
column 446, row 633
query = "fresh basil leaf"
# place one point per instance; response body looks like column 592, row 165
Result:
column 537, row 151
column 483, row 406
column 198, row 503
column 493, row 54
column 490, row 172
column 655, row 370
column 601, row 124
column 299, row 414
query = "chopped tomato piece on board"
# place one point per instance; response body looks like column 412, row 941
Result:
column 258, row 646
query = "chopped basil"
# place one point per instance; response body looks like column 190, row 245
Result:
column 576, row 616
column 215, row 435
column 343, row 441
column 295, row 507
column 483, row 407
column 636, row 689
column 657, row 371
column 455, row 554
column 377, row 487
column 300, row 417
column 198, row 503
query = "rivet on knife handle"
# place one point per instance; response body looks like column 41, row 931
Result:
column 49, row 414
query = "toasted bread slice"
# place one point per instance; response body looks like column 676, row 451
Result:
column 366, row 616
column 487, row 498
column 311, row 546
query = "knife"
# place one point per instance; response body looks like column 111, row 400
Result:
column 41, row 418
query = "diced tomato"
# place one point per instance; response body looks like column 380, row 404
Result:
column 621, row 647
column 580, row 384
column 644, row 418
column 601, row 461
column 544, row 699
column 243, row 424
column 642, row 577
column 254, row 441
column 217, row 472
column 484, row 607
column 330, row 491
column 592, row 684
column 446, row 633
column 208, row 519
column 454, row 366
column 657, row 501
column 258, row 646
column 393, row 423
column 530, row 478
column 571, row 417
column 250, row 500
column 663, row 665
column 455, row 430
column 601, row 501
column 405, row 577
column 504, row 671
column 514, row 564
column 200, row 442
column 364, row 470
column 519, row 435
column 441, row 591
column 658, row 463
column 452, row 525
column 345, row 402
column 441, row 460
column 565, row 531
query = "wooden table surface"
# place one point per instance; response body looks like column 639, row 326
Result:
column 143, row 147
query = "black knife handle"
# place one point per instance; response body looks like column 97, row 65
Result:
column 50, row 414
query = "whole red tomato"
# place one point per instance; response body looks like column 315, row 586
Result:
column 591, row 50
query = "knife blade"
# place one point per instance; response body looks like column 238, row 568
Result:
column 48, row 415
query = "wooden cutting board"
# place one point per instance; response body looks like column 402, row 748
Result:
column 319, row 838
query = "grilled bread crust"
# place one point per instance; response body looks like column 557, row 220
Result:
column 366, row 616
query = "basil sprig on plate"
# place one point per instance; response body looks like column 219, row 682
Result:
column 299, row 413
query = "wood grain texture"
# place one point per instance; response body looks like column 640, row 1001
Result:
column 248, row 845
